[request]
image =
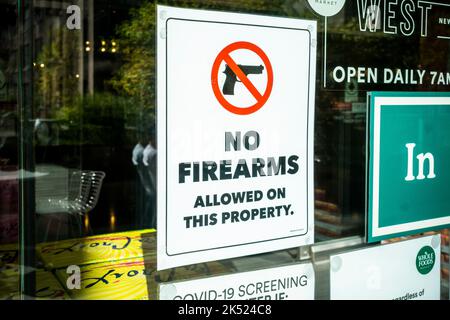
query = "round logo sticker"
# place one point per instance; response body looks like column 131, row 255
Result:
column 425, row 260
column 327, row 8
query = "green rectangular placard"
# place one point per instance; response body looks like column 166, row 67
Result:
column 408, row 163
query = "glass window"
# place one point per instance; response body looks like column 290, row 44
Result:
column 78, row 141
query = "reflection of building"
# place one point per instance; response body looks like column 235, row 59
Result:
column 59, row 57
column 73, row 57
column 74, row 118
column 8, row 39
column 9, row 188
column 331, row 223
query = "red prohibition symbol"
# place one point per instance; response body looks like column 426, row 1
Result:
column 224, row 55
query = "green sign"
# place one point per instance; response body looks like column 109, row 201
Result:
column 408, row 174
column 425, row 260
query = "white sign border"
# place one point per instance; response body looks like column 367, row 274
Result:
column 304, row 264
column 164, row 13
column 435, row 241
column 378, row 231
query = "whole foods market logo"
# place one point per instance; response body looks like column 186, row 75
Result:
column 326, row 8
column 425, row 260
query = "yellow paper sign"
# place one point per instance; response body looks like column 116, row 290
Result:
column 96, row 249
column 120, row 280
column 132, row 279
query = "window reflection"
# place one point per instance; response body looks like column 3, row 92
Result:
column 89, row 140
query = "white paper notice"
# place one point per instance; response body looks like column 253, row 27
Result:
column 406, row 270
column 294, row 282
column 235, row 134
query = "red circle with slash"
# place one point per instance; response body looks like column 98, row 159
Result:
column 224, row 55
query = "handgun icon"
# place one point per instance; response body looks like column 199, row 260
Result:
column 230, row 81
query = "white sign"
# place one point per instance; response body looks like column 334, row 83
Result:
column 295, row 282
column 327, row 8
column 406, row 270
column 235, row 134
